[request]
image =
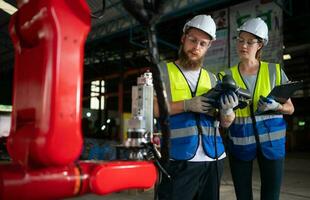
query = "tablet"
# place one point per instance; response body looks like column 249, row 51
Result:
column 282, row 93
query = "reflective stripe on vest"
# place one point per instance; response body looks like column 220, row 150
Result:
column 185, row 126
column 270, row 128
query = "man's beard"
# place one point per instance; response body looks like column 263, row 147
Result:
column 187, row 63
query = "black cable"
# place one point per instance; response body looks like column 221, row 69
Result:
column 160, row 90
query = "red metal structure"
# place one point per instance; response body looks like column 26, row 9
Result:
column 45, row 139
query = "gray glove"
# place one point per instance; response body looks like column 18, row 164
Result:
column 197, row 104
column 265, row 104
column 228, row 102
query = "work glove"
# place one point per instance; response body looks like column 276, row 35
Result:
column 198, row 104
column 267, row 103
column 228, row 102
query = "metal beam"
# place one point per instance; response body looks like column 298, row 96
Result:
column 123, row 21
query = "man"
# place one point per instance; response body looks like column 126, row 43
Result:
column 197, row 151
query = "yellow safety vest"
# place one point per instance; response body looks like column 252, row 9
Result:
column 186, row 127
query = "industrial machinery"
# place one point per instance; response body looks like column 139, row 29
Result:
column 140, row 126
column 148, row 13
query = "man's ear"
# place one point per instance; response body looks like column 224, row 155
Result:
column 183, row 39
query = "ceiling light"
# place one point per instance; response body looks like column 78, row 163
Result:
column 88, row 114
column 287, row 57
column 7, row 7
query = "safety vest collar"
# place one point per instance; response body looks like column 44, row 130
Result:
column 179, row 87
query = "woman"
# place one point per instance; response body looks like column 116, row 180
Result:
column 254, row 135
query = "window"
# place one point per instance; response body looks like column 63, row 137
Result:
column 96, row 95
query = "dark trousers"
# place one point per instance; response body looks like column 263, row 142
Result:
column 271, row 173
column 191, row 181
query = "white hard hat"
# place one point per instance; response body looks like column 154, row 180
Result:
column 257, row 27
column 204, row 23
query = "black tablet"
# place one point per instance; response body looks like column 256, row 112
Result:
column 282, row 93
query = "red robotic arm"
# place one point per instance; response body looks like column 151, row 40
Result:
column 48, row 75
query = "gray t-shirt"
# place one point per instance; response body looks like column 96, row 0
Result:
column 251, row 79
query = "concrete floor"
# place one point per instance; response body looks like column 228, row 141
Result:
column 296, row 183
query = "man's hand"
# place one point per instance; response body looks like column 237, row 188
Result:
column 228, row 102
column 198, row 104
column 265, row 104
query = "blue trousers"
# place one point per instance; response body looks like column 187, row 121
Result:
column 271, row 173
column 191, row 181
